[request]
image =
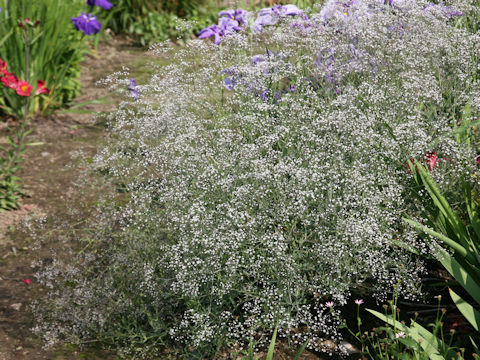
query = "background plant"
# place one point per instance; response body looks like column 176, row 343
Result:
column 156, row 21
column 459, row 250
column 256, row 202
column 10, row 159
column 56, row 50
column 396, row 340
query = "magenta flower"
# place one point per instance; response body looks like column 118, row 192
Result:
column 359, row 301
column 104, row 4
column 87, row 23
column 27, row 281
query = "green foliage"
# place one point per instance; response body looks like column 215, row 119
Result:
column 10, row 159
column 154, row 27
column 271, row 348
column 415, row 342
column 55, row 52
column 396, row 340
column 154, row 21
column 456, row 235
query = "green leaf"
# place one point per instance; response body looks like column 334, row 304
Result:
column 451, row 243
column 427, row 344
column 5, row 38
column 475, row 346
column 302, row 349
column 443, row 206
column 408, row 342
column 36, row 143
column 271, row 348
column 465, row 279
column 467, row 310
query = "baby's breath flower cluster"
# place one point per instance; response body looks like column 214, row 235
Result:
column 263, row 184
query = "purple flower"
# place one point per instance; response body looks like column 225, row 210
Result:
column 239, row 15
column 270, row 16
column 359, row 301
column 105, row 4
column 254, row 60
column 230, row 21
column 228, row 24
column 132, row 88
column 230, row 83
column 336, row 9
column 447, row 11
column 329, row 304
column 290, row 10
column 216, row 31
column 87, row 23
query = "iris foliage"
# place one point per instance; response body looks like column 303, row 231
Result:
column 56, row 51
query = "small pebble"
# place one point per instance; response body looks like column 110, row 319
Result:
column 349, row 347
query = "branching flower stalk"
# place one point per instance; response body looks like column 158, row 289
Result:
column 14, row 155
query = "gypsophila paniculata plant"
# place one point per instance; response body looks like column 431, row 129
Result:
column 267, row 174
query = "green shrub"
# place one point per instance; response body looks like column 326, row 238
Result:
column 155, row 21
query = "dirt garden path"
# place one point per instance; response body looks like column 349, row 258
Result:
column 48, row 172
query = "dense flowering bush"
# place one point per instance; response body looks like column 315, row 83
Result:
column 266, row 186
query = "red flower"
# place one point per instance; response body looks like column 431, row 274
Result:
column 478, row 160
column 27, row 281
column 431, row 158
column 24, row 88
column 10, row 80
column 25, row 22
column 41, row 89
column 407, row 165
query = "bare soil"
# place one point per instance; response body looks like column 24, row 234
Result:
column 47, row 173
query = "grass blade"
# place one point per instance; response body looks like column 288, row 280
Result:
column 271, row 348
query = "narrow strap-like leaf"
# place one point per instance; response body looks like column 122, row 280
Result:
column 455, row 223
column 471, row 314
column 449, row 242
column 428, row 347
column 302, row 349
column 464, row 278
column 271, row 348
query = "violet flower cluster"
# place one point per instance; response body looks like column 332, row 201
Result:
column 229, row 22
column 88, row 23
column 271, row 16
column 237, row 20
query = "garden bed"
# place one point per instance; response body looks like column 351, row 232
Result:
column 282, row 191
